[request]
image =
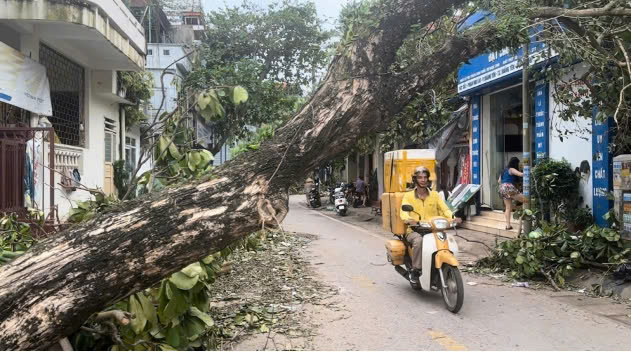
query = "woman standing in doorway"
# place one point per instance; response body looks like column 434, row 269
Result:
column 508, row 190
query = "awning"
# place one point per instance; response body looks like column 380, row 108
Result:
column 23, row 82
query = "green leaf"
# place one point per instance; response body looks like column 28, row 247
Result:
column 207, row 114
column 173, row 336
column 219, row 110
column 193, row 270
column 575, row 255
column 182, row 281
column 193, row 328
column 165, row 347
column 206, row 157
column 195, row 158
column 189, row 163
column 139, row 322
column 534, row 234
column 202, row 316
column 520, row 259
column 148, row 309
column 264, row 328
column 84, row 205
column 203, row 100
column 163, row 144
column 239, row 95
column 209, row 259
column 175, row 154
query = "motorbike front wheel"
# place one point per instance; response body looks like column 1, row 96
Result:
column 453, row 294
column 342, row 212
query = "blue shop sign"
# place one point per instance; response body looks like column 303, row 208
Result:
column 489, row 68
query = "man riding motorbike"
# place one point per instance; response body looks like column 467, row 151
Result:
column 428, row 204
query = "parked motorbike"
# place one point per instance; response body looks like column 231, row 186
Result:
column 341, row 204
column 314, row 196
column 440, row 266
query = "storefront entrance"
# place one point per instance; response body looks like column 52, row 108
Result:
column 503, row 139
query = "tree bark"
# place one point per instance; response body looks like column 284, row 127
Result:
column 50, row 291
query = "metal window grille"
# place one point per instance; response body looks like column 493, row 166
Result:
column 13, row 116
column 66, row 94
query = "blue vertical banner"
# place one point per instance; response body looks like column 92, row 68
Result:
column 475, row 142
column 541, row 120
column 602, row 166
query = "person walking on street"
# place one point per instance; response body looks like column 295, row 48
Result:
column 308, row 186
column 508, row 191
column 360, row 189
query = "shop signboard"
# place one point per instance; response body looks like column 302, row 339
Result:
column 602, row 167
column 488, row 68
column 23, row 82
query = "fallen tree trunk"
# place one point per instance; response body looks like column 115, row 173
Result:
column 51, row 290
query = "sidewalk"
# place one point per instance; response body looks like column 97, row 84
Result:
column 470, row 252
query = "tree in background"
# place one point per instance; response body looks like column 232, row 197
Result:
column 274, row 53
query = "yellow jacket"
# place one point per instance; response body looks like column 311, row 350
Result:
column 432, row 206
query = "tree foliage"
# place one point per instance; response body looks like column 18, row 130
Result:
column 273, row 53
column 139, row 88
column 595, row 33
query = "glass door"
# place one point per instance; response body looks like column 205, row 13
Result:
column 506, row 120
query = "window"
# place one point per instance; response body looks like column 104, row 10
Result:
column 67, row 84
column 191, row 21
column 110, row 140
column 166, row 52
column 130, row 152
column 149, row 52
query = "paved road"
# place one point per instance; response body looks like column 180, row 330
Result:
column 384, row 313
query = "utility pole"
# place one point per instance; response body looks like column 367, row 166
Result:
column 526, row 137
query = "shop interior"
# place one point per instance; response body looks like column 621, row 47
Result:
column 506, row 140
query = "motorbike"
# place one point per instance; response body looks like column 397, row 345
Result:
column 341, row 204
column 314, row 196
column 440, row 270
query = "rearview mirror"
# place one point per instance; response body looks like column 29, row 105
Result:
column 407, row 207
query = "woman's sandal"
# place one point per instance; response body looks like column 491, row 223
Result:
column 508, row 228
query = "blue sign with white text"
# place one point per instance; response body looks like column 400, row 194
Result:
column 541, row 120
column 602, row 167
column 489, row 68
column 475, row 143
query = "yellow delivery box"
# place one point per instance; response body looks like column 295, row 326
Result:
column 390, row 213
column 399, row 165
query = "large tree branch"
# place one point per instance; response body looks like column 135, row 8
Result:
column 48, row 292
column 549, row 12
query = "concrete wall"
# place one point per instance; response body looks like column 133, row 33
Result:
column 577, row 146
column 157, row 62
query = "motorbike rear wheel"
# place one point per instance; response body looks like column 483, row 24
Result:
column 453, row 294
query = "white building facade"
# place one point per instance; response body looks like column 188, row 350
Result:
column 82, row 45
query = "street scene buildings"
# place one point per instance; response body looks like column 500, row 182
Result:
column 162, row 190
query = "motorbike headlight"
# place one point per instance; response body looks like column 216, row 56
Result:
column 441, row 224
column 425, row 225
